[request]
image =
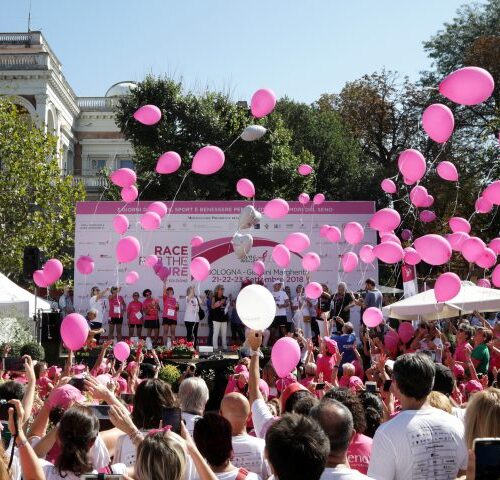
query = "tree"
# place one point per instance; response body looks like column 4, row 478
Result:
column 37, row 205
column 190, row 122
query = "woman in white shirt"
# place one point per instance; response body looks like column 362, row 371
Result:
column 191, row 315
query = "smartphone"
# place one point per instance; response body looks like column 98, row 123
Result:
column 13, row 364
column 320, row 386
column 4, row 410
column 102, row 413
column 487, row 451
column 172, row 416
column 128, row 398
column 387, row 385
column 371, row 387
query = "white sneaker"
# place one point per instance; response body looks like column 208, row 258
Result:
column 149, row 344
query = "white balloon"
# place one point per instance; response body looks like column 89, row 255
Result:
column 249, row 217
column 253, row 132
column 256, row 307
column 242, row 244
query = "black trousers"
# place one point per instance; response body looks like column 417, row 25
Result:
column 238, row 332
column 191, row 328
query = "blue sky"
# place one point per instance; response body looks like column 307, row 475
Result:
column 298, row 48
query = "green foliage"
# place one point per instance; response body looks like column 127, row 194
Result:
column 37, row 205
column 15, row 331
column 170, row 374
column 34, row 350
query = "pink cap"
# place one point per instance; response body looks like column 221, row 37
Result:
column 122, row 384
column 131, row 366
column 283, row 383
column 331, row 345
column 355, row 383
column 264, row 388
column 77, row 369
column 288, row 391
column 240, row 368
column 65, row 396
column 458, row 370
column 53, row 371
column 473, row 386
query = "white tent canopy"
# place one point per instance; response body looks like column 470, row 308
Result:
column 470, row 298
column 18, row 299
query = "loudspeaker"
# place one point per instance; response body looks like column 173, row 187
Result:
column 51, row 327
column 31, row 261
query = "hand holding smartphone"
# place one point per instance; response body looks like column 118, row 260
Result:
column 487, row 452
column 172, row 416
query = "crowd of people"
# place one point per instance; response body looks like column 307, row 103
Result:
column 354, row 407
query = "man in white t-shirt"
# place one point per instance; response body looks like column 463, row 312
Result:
column 421, row 442
column 248, row 452
column 279, row 325
column 96, row 303
column 193, row 396
column 337, row 422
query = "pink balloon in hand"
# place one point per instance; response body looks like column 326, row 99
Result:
column 52, row 270
column 285, row 356
column 39, row 279
column 121, row 351
column 372, row 317
column 74, row 331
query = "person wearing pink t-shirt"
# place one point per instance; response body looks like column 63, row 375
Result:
column 463, row 348
column 170, row 308
column 150, row 308
column 135, row 315
column 325, row 362
column 116, row 309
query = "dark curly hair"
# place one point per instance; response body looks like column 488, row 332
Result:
column 353, row 403
column 374, row 412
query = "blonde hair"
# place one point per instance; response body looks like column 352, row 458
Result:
column 190, row 291
column 348, row 369
column 482, row 417
column 441, row 401
column 160, row 456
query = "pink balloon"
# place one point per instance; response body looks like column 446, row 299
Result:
column 457, row 239
column 259, row 268
column 495, row 245
column 131, row 277
column 428, row 201
column 163, row 273
column 39, row 279
column 427, row 216
column 418, row 196
column 323, row 229
column 245, row 188
column 148, row 114
column 411, row 164
column 372, row 317
column 303, row 199
column 120, row 223
column 438, row 122
column 391, row 340
column 151, row 260
column 74, row 331
column 495, row 276
column 305, row 169
column 313, row 290
column 406, row 234
column 492, row 192
column 297, row 242
column 52, row 270
column 263, row 102
column 483, row 206
column 85, row 264
column 472, row 249
column 150, row 221
column 389, row 237
column 349, row 261
column 200, row 268
column 407, row 181
column 447, row 286
column 411, row 256
column 447, row 171
column 388, row 186
column 196, row 241
column 487, row 259
column 285, row 356
column 318, row 199
column 433, row 249
column 311, row 261
column 208, row 160
column 459, row 224
column 129, row 194
column 366, row 254
column 385, row 220
column 158, row 207
column 333, row 234
column 484, row 283
column 168, row 162
column 405, row 331
column 127, row 249
column 121, row 351
column 281, row 255
column 389, row 252
column 353, row 233
column 123, row 177
column 276, row 208
column 467, row 86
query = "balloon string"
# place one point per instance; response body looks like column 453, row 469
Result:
column 177, row 192
column 455, row 206
column 232, row 143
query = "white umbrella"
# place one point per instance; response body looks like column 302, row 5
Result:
column 470, row 298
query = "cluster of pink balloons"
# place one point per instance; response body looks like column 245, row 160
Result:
column 125, row 178
column 49, row 274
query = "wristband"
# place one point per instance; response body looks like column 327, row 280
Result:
column 22, row 444
column 255, row 353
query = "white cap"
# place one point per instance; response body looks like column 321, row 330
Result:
column 277, row 282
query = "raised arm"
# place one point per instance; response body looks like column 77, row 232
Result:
column 255, row 341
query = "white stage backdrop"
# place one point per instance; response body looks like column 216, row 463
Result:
column 216, row 222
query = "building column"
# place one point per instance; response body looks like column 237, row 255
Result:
column 41, row 109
